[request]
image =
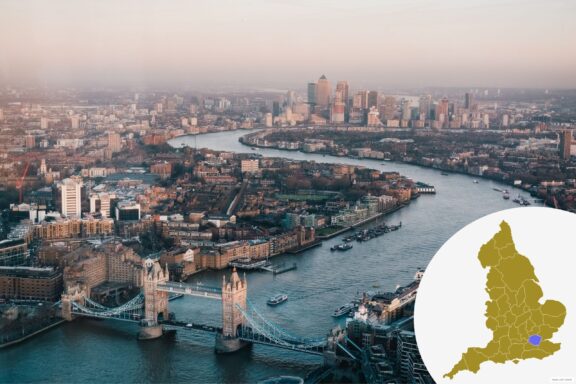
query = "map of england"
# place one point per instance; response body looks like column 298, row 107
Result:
column 522, row 327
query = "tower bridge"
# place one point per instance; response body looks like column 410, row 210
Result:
column 242, row 323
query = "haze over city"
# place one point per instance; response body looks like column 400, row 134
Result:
column 416, row 43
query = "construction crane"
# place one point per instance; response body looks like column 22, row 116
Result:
column 20, row 182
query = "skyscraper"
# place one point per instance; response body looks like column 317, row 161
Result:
column 338, row 108
column 468, row 100
column 323, row 91
column 425, row 105
column 70, row 193
column 312, row 94
column 342, row 87
column 406, row 112
column 372, row 99
column 389, row 108
column 442, row 111
column 565, row 144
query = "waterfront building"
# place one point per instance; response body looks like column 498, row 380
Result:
column 70, row 196
column 13, row 252
column 31, row 283
column 410, row 364
column 180, row 263
column 222, row 254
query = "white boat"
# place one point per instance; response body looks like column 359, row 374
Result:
column 343, row 310
column 278, row 299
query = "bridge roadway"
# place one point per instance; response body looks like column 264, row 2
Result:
column 191, row 290
column 191, row 326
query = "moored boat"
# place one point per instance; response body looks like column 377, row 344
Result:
column 343, row 310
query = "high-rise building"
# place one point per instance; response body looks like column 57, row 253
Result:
column 290, row 98
column 372, row 99
column 406, row 110
column 373, row 119
column 442, row 111
column 312, row 94
column 275, row 108
column 342, row 87
column 425, row 105
column 70, row 193
column 389, row 108
column 565, row 144
column 468, row 100
column 114, row 142
column 100, row 202
column 323, row 91
column 337, row 110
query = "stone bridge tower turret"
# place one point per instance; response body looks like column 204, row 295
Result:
column 233, row 296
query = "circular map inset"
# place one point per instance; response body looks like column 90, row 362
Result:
column 496, row 303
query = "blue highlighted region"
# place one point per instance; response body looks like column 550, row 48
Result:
column 535, row 340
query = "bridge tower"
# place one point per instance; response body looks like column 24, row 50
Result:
column 73, row 294
column 155, row 302
column 233, row 296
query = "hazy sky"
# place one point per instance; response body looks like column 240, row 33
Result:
column 285, row 43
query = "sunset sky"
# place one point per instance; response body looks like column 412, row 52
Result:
column 285, row 43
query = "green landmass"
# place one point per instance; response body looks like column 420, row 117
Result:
column 514, row 312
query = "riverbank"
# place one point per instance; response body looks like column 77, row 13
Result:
column 510, row 183
column 30, row 335
column 362, row 222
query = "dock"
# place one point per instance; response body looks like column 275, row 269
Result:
column 279, row 268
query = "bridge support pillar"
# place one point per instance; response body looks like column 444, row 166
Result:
column 155, row 302
column 233, row 298
column 229, row 344
column 149, row 332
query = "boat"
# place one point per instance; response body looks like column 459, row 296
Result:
column 497, row 189
column 342, row 247
column 343, row 310
column 253, row 148
column 506, row 196
column 248, row 264
column 475, row 181
column 278, row 299
column 444, row 173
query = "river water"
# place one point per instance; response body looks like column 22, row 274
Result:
column 86, row 351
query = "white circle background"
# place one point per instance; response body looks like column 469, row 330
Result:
column 450, row 306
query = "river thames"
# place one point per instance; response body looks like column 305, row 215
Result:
column 87, row 351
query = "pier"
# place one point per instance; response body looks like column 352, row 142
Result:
column 279, row 268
